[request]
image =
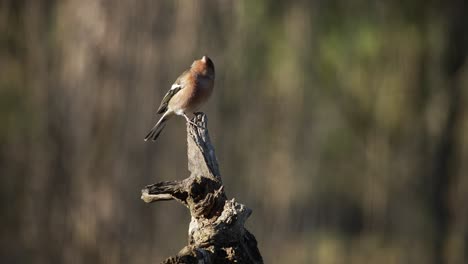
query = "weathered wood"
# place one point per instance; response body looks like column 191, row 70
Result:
column 216, row 231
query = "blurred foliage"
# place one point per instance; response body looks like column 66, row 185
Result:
column 342, row 124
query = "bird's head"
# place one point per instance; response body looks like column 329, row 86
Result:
column 204, row 66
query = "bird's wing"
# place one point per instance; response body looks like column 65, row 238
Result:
column 176, row 87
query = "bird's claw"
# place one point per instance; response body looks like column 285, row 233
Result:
column 191, row 122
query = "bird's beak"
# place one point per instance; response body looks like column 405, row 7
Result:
column 203, row 59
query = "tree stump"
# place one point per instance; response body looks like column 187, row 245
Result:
column 216, row 231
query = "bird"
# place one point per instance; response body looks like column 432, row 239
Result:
column 188, row 93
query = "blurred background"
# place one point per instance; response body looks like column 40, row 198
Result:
column 342, row 124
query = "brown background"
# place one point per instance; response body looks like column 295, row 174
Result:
column 342, row 124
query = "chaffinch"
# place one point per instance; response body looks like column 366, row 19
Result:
column 186, row 95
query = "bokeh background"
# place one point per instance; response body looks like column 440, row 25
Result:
column 342, row 124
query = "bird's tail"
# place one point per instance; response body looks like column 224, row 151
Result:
column 157, row 129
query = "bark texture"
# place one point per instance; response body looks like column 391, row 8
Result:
column 216, row 231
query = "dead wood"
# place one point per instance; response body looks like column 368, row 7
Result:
column 216, row 231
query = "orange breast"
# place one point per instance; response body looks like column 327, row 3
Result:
column 193, row 95
column 199, row 95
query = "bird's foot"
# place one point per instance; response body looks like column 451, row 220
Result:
column 191, row 122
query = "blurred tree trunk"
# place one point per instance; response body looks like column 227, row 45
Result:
column 445, row 161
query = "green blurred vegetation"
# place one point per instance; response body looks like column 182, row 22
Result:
column 342, row 124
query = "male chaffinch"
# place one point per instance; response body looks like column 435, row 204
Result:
column 186, row 95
